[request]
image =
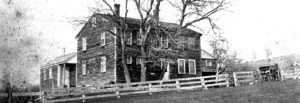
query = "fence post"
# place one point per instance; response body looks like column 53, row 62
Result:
column 203, row 83
column 83, row 95
column 44, row 97
column 150, row 88
column 177, row 85
column 235, row 79
column 9, row 92
column 253, row 79
column 117, row 92
column 227, row 81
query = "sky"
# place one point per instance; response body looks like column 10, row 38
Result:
column 42, row 29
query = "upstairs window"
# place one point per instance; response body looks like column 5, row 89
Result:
column 128, row 59
column 84, row 44
column 208, row 63
column 129, row 38
column 181, row 66
column 102, row 39
column 83, row 67
column 94, row 22
column 192, row 66
column 138, row 60
column 164, row 41
column 180, row 43
column 139, row 38
column 103, row 64
column 92, row 65
column 191, row 43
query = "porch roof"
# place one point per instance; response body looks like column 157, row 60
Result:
column 67, row 58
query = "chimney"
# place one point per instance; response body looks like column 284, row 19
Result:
column 117, row 9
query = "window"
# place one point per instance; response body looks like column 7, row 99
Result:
column 102, row 41
column 129, row 39
column 129, row 59
column 180, row 43
column 103, row 64
column 84, row 44
column 94, row 22
column 164, row 41
column 191, row 43
column 139, row 38
column 208, row 63
column 138, row 60
column 45, row 76
column 92, row 65
column 192, row 66
column 181, row 66
column 50, row 73
column 83, row 67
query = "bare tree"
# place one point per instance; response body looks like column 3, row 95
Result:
column 192, row 12
column 268, row 54
column 220, row 48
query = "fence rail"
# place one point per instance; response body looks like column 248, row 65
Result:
column 21, row 94
column 290, row 74
column 117, row 90
column 243, row 77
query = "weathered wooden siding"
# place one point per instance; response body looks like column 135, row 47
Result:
column 94, row 50
column 205, row 68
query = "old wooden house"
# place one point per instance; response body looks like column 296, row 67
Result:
column 59, row 73
column 99, row 62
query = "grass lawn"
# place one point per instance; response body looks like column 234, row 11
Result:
column 267, row 92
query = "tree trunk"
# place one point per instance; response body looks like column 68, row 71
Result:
column 143, row 66
column 124, row 64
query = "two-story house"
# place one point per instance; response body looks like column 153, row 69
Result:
column 99, row 60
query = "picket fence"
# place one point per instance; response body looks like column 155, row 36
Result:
column 243, row 77
column 117, row 90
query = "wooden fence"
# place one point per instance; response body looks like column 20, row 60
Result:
column 117, row 90
column 290, row 74
column 21, row 94
column 243, row 77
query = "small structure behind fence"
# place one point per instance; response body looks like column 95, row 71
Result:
column 243, row 78
column 117, row 90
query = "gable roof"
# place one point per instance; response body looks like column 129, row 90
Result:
column 67, row 58
column 137, row 21
column 206, row 55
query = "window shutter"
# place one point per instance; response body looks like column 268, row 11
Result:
column 102, row 42
column 50, row 73
column 84, row 44
column 103, row 64
column 83, row 68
